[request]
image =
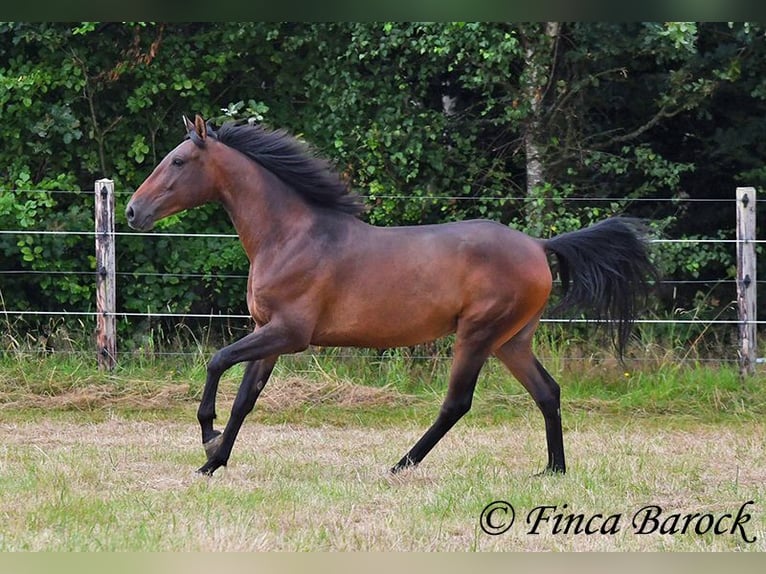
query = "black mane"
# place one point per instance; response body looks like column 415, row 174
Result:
column 293, row 161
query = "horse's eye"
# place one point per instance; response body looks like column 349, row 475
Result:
column 177, row 161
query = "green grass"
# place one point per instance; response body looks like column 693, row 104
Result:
column 325, row 387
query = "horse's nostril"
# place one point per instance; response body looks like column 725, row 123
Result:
column 129, row 213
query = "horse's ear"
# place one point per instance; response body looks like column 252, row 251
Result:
column 188, row 124
column 200, row 126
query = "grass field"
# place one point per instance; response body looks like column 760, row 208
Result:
column 106, row 462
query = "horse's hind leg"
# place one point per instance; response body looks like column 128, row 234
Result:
column 467, row 362
column 517, row 355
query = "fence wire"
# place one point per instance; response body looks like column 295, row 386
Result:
column 11, row 314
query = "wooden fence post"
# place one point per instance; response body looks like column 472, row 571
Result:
column 746, row 286
column 106, row 320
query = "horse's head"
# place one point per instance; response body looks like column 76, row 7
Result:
column 182, row 180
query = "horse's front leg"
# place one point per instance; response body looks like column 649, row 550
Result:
column 261, row 348
column 206, row 411
column 211, row 438
column 218, row 449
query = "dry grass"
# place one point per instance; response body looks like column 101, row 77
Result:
column 290, row 392
column 80, row 483
column 106, row 462
column 98, row 396
column 283, row 393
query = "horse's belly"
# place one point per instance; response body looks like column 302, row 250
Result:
column 384, row 326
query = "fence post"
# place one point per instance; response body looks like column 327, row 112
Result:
column 746, row 285
column 106, row 343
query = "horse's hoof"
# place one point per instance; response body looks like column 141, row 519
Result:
column 403, row 464
column 210, row 467
column 551, row 472
column 211, row 446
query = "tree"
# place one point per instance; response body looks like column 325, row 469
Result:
column 431, row 122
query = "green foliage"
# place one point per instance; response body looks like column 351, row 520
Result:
column 428, row 120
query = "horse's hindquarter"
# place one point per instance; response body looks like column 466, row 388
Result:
column 408, row 285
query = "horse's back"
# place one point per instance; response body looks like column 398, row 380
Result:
column 482, row 251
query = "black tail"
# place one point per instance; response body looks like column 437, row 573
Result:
column 605, row 270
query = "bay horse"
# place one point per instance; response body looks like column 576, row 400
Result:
column 319, row 275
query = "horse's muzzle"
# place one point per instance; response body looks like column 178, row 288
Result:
column 140, row 220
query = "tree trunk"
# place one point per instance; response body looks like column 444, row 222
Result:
column 539, row 62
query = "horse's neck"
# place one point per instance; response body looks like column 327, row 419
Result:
column 265, row 212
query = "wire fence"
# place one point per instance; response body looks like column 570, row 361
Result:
column 11, row 314
column 244, row 276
